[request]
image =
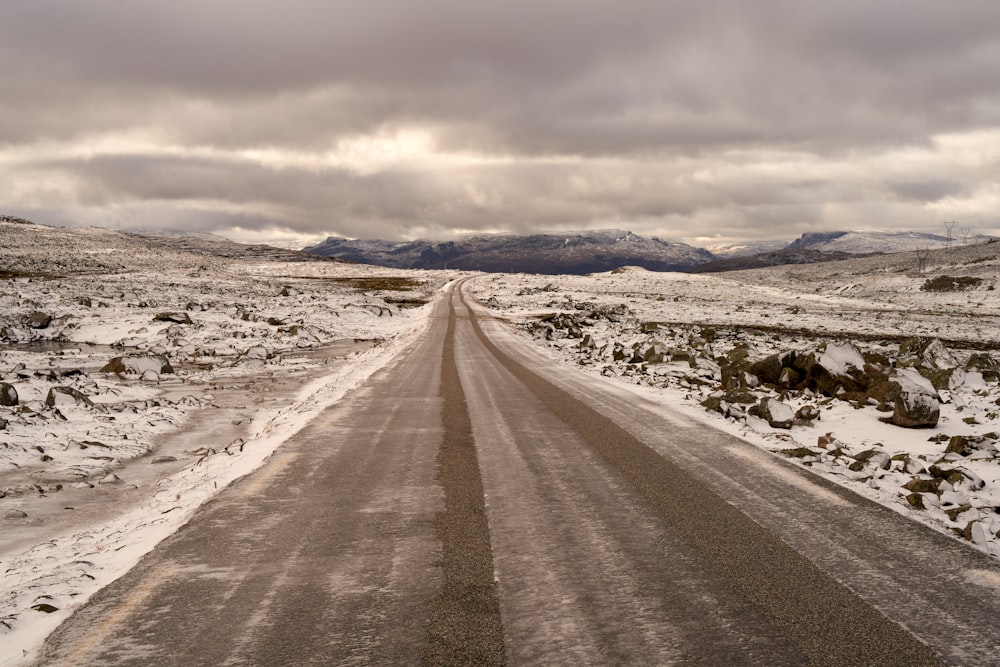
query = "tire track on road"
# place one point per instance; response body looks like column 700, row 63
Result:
column 465, row 626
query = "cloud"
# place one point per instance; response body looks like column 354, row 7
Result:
column 691, row 119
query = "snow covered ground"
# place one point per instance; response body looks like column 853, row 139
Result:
column 219, row 361
column 809, row 362
column 149, row 376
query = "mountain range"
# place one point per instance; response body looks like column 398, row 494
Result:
column 605, row 250
column 572, row 252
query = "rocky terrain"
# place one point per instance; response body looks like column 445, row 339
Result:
column 877, row 376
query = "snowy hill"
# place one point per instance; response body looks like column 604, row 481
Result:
column 863, row 243
column 569, row 253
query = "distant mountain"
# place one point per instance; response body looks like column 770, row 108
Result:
column 572, row 252
column 745, row 249
column 15, row 219
column 204, row 243
column 868, row 242
column 814, row 247
column 779, row 258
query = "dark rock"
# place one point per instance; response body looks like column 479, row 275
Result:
column 8, row 395
column 959, row 445
column 3, row 424
column 38, row 320
column 916, row 501
column 920, row 485
column 985, row 364
column 172, row 316
column 916, row 410
column 771, row 369
column 84, row 301
column 714, row 404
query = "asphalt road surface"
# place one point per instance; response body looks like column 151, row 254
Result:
column 475, row 503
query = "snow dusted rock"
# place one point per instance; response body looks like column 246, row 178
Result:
column 149, row 375
column 137, row 365
column 67, row 396
column 917, row 404
column 8, row 394
column 837, row 369
column 288, row 290
column 38, row 320
column 776, row 413
column 111, row 480
column 13, row 514
column 163, row 459
column 985, row 364
column 256, row 352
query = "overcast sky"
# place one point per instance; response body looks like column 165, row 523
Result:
column 696, row 121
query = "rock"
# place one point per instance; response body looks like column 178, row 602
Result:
column 256, row 352
column 163, row 459
column 776, row 413
column 111, row 480
column 172, row 316
column 8, row 395
column 14, row 513
column 136, row 365
column 917, row 404
column 875, row 457
column 958, row 445
column 3, row 424
column 838, row 368
column 38, row 320
column 287, row 290
column 84, row 301
column 985, row 364
column 807, row 413
column 770, row 369
column 714, row 404
column 922, row 485
column 67, row 396
column 149, row 375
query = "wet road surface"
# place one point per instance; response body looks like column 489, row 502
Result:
column 476, row 503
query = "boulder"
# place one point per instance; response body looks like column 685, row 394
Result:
column 837, row 369
column 67, row 396
column 172, row 316
column 985, row 364
column 771, row 369
column 256, row 352
column 8, row 395
column 916, row 404
column 38, row 320
column 137, row 365
column 776, row 413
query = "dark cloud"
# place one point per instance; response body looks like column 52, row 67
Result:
column 591, row 112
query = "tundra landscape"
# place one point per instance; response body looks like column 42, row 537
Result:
column 140, row 375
